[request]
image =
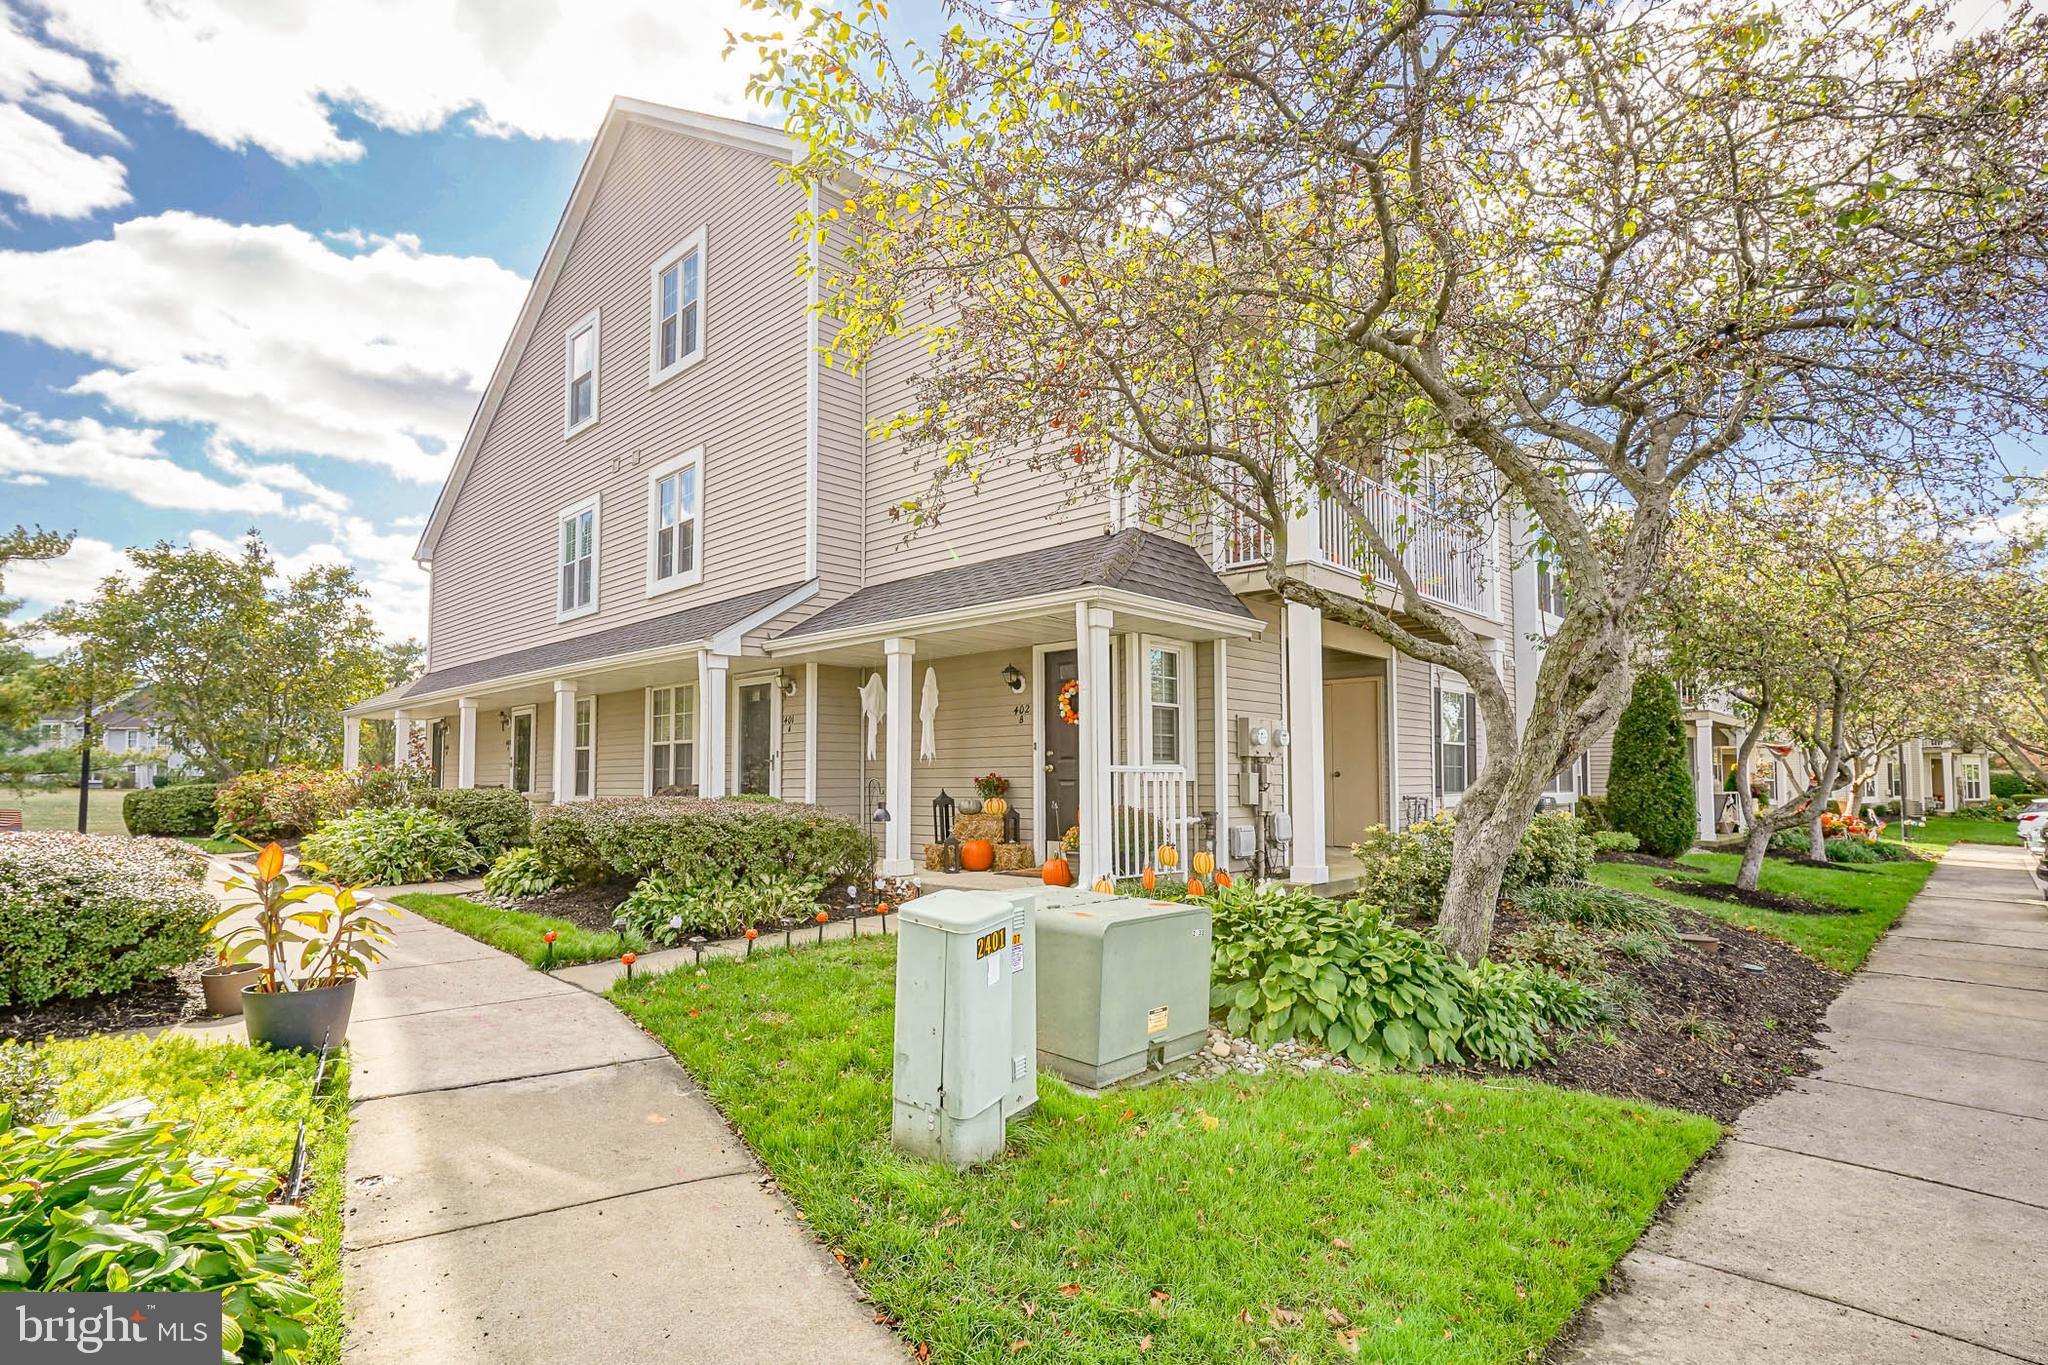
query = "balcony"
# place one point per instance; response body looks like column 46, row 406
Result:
column 1447, row 562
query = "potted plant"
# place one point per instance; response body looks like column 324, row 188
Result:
column 303, row 1006
column 222, row 982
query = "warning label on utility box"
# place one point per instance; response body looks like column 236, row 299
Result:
column 1155, row 1019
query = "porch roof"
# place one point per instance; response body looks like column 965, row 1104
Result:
column 1134, row 563
column 693, row 627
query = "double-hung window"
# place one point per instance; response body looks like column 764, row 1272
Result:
column 581, row 776
column 1566, row 783
column 1456, row 741
column 1549, row 588
column 1166, row 704
column 678, row 284
column 675, row 547
column 579, row 365
column 672, row 737
column 576, row 560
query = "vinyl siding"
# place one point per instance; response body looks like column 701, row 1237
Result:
column 1415, row 689
column 1256, row 687
column 840, row 740
column 493, row 586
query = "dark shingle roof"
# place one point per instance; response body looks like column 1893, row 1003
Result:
column 685, row 627
column 1134, row 561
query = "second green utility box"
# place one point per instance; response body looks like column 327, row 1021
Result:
column 1123, row 984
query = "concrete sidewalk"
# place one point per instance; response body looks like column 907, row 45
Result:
column 1893, row 1206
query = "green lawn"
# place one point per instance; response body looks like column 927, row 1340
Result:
column 516, row 931
column 1878, row 892
column 58, row 809
column 1242, row 1218
column 1943, row 830
column 244, row 1104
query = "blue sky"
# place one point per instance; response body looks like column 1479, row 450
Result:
column 256, row 259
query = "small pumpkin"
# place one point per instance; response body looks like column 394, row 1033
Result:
column 1056, row 872
column 1105, row 886
column 1150, row 881
column 1204, row 862
column 1195, row 887
column 1222, row 880
column 1169, row 856
column 995, row 805
column 977, row 855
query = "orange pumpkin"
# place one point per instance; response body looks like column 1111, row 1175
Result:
column 1204, row 862
column 1169, row 856
column 1105, row 886
column 977, row 855
column 1195, row 886
column 1149, row 881
column 1056, row 872
column 1222, row 880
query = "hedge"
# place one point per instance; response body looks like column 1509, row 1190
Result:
column 171, row 811
column 632, row 837
column 493, row 819
column 1650, row 784
column 89, row 914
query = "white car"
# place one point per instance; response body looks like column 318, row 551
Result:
column 2034, row 823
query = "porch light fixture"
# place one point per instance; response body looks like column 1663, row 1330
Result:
column 1013, row 679
column 786, row 683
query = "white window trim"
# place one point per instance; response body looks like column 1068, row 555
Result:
column 532, row 714
column 577, row 509
column 656, row 586
column 575, row 329
column 583, row 700
column 1447, row 687
column 773, row 681
column 1186, row 651
column 647, row 733
column 656, row 374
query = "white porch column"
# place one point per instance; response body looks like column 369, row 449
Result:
column 465, row 741
column 712, row 670
column 401, row 738
column 1703, row 775
column 1912, row 779
column 901, row 655
column 565, row 740
column 1091, row 658
column 351, row 741
column 1307, row 778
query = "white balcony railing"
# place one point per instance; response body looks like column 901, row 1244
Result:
column 1149, row 807
column 1447, row 563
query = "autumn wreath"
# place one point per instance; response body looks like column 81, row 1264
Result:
column 1070, row 702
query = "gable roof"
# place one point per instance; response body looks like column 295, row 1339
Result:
column 1133, row 560
column 621, row 113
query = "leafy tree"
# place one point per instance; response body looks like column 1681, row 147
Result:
column 1650, row 782
column 245, row 669
column 1239, row 260
column 18, row 693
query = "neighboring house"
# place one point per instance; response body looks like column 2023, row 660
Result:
column 668, row 558
column 125, row 727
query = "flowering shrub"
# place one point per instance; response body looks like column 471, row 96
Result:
column 1833, row 824
column 391, row 846
column 736, row 840
column 87, row 914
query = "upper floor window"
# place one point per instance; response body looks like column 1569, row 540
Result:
column 579, row 363
column 1549, row 588
column 674, row 546
column 576, row 539
column 1456, row 741
column 678, row 340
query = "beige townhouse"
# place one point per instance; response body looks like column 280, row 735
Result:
column 668, row 558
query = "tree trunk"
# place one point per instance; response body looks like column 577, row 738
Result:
column 1817, row 848
column 1487, row 835
column 1754, row 845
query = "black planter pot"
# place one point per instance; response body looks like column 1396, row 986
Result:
column 299, row 1020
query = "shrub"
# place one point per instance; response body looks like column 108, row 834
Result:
column 282, row 802
column 88, row 914
column 1615, row 841
column 520, row 874
column 2012, row 786
column 1592, row 906
column 1851, row 850
column 633, row 837
column 1406, row 871
column 1592, row 811
column 1556, row 945
column 391, row 846
column 113, row 1201
column 1650, row 785
column 1794, row 839
column 493, row 819
column 1880, row 851
column 27, row 1089
column 668, row 908
column 184, row 809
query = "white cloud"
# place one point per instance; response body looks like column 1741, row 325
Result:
column 397, row 586
column 280, row 343
column 81, row 116
column 73, row 576
column 270, row 75
column 128, row 460
column 38, row 167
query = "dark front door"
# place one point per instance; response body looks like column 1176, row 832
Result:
column 1062, row 751
column 757, row 739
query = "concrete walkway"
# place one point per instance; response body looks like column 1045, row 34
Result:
column 1894, row 1206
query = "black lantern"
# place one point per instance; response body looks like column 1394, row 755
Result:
column 1012, row 678
column 942, row 832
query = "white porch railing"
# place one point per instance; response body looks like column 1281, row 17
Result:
column 1150, row 807
column 1447, row 563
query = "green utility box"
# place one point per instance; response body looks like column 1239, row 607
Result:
column 1123, row 985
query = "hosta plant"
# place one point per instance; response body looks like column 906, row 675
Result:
column 326, row 925
column 520, row 874
column 391, row 846
column 115, row 1202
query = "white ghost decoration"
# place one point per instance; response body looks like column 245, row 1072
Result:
column 928, row 712
column 874, row 699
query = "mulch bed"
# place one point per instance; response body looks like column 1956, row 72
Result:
column 171, row 999
column 1757, row 900
column 1718, row 1036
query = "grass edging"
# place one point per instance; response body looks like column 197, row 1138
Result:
column 1323, row 1216
column 516, row 931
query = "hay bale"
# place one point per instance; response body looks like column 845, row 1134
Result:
column 978, row 826
column 934, row 857
column 1014, row 857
